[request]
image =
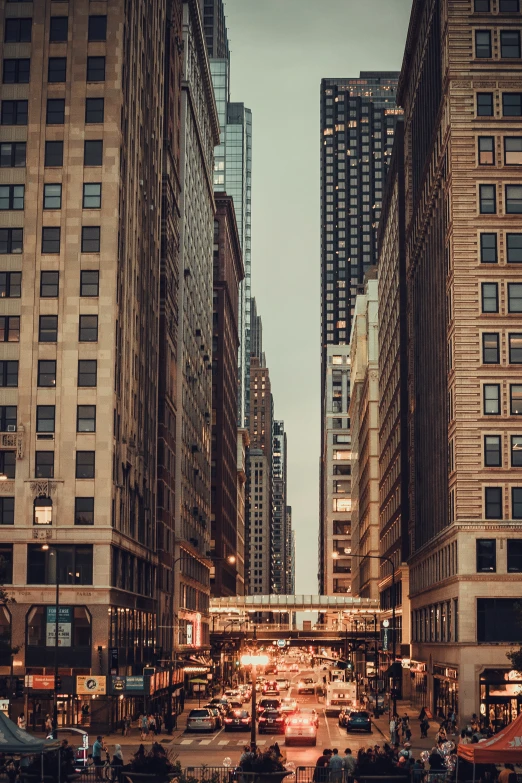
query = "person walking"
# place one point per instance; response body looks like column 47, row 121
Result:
column 348, row 763
column 424, row 727
column 144, row 726
column 97, row 749
column 48, row 724
column 117, row 763
column 335, row 765
column 393, row 730
column 21, row 722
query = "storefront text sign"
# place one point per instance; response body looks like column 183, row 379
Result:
column 91, row 684
column 64, row 626
column 39, row 682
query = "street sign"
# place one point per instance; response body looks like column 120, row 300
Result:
column 113, row 660
column 281, row 643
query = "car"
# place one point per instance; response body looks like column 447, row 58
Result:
column 268, row 704
column 288, row 706
column 310, row 713
column 306, row 685
column 271, row 721
column 271, row 687
column 231, row 694
column 221, row 704
column 216, row 712
column 238, row 720
column 283, row 683
column 294, row 667
column 201, row 719
column 300, row 730
column 359, row 720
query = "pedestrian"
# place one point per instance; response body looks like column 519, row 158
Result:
column 116, row 763
column 97, row 750
column 48, row 724
column 508, row 774
column 21, row 722
column 152, row 725
column 453, row 722
column 335, row 765
column 417, row 771
column 424, row 727
column 321, row 766
column 441, row 735
column 144, row 726
column 348, row 763
column 393, row 730
column 158, row 724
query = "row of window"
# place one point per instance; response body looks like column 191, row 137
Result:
column 13, row 153
column 15, row 112
column 44, row 465
column 512, row 200
column 493, row 503
column 492, row 400
column 504, row 6
column 509, row 44
column 45, row 419
column 491, row 348
column 512, row 150
column 19, row 30
column 87, row 373
column 511, row 104
column 12, row 240
column 489, row 248
column 487, row 555
column 490, row 297
column 18, row 71
column 12, row 197
column 493, row 451
column 11, row 284
column 48, row 329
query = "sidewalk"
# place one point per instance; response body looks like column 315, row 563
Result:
column 418, row 744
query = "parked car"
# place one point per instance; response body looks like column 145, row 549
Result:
column 300, row 730
column 359, row 720
column 238, row 720
column 201, row 719
column 268, row 704
column 271, row 721
column 216, row 712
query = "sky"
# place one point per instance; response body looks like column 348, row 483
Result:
column 280, row 51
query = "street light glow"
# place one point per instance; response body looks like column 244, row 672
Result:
column 254, row 660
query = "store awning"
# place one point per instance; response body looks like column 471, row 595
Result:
column 19, row 742
column 505, row 747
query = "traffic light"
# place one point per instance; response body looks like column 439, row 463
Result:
column 349, row 666
column 19, row 688
column 58, row 683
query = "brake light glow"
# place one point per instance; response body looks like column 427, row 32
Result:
column 228, row 720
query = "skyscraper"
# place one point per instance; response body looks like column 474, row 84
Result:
column 279, row 536
column 358, row 119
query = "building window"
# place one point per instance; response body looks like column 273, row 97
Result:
column 92, row 195
column 492, row 451
column 14, row 112
column 515, row 297
column 89, row 282
column 493, row 502
column 12, row 197
column 16, row 71
column 482, row 6
column 18, row 30
column 97, row 28
column 84, row 511
column 52, row 196
column 8, row 373
column 490, row 348
column 8, row 464
column 48, row 329
column 46, row 373
column 516, row 502
column 486, row 151
column 85, row 464
column 94, row 110
column 44, row 464
column 488, row 249
column 512, row 104
column 516, row 451
column 7, row 418
column 88, row 330
column 90, row 239
column 49, row 284
column 45, row 416
column 51, row 240
column 54, row 153
column 11, row 240
column 10, row 285
column 58, row 29
column 492, row 399
column 12, row 154
column 509, row 43
column 489, row 297
column 515, row 348
column 74, row 564
column 57, row 70
column 87, row 371
column 95, row 69
column 93, row 153
column 513, row 199
column 514, row 248
column 488, row 204
column 7, row 518
column 482, row 43
column 485, row 104
column 509, row 6
column 43, row 511
column 515, row 398
column 495, row 620
column 513, row 150
column 486, row 555
column 86, row 418
column 55, row 111
column 514, row 555
column 9, row 329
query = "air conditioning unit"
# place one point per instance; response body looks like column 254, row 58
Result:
column 11, row 428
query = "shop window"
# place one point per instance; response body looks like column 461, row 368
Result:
column 74, row 564
column 495, row 620
column 486, row 555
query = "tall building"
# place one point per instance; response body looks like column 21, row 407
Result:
column 256, row 333
column 199, row 135
column 81, row 133
column 279, row 536
column 393, row 406
column 258, row 538
column 233, row 174
column 261, row 408
column 358, row 119
column 243, row 441
column 462, row 108
column 228, row 273
column 290, row 548
column 364, row 417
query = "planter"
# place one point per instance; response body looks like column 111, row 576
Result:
column 148, row 777
column 269, row 777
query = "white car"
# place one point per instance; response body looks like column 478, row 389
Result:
column 283, row 683
column 288, row 706
column 300, row 730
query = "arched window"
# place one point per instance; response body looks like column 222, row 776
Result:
column 43, row 511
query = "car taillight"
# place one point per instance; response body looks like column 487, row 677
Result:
column 244, row 720
column 228, row 720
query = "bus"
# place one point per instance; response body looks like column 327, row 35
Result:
column 340, row 694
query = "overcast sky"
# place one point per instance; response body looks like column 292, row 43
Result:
column 280, row 51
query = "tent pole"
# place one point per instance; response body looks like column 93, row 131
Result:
column 59, row 764
column 42, row 766
column 473, row 770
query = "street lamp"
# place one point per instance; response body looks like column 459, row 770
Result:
column 54, row 551
column 254, row 661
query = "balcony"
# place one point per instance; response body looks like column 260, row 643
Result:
column 13, row 441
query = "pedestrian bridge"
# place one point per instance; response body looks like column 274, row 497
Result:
column 293, row 603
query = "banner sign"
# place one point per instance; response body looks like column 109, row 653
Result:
column 65, row 614
column 113, row 660
column 91, row 683
column 39, row 682
column 132, row 684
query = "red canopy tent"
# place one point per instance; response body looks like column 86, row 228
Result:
column 505, row 747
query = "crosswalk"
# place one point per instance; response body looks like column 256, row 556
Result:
column 232, row 742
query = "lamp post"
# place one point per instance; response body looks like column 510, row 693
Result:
column 254, row 661
column 54, row 551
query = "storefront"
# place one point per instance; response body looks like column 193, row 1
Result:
column 419, row 684
column 445, row 690
column 500, row 697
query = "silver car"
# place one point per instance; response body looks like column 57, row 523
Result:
column 201, row 720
